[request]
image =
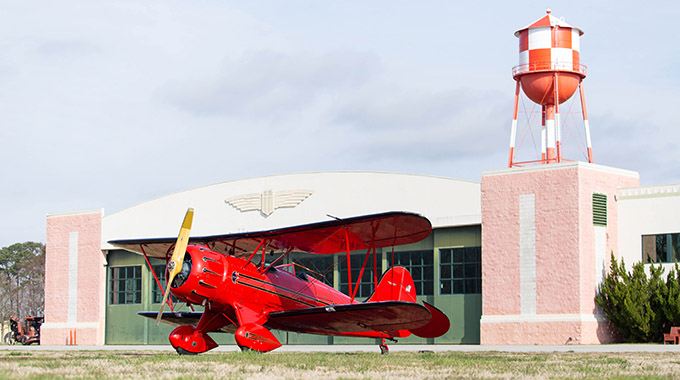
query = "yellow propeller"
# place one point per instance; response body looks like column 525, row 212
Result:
column 177, row 258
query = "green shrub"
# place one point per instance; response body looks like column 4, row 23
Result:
column 640, row 306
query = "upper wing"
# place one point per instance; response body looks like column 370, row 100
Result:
column 377, row 230
column 360, row 317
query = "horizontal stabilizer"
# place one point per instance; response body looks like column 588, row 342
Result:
column 438, row 325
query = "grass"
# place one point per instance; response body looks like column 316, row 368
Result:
column 327, row 366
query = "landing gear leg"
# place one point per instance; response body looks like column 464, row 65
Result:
column 384, row 350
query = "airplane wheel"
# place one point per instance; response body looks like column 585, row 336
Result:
column 182, row 351
column 248, row 349
column 384, row 350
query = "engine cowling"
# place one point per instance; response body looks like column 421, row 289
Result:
column 201, row 277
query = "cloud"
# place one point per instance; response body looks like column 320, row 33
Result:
column 272, row 85
column 404, row 121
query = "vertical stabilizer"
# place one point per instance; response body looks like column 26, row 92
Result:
column 395, row 285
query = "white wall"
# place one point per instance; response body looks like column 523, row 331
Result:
column 646, row 211
column 445, row 202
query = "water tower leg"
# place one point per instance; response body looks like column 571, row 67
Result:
column 585, row 122
column 543, row 135
column 513, row 133
column 558, row 137
column 550, row 133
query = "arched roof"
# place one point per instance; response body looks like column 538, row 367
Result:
column 280, row 201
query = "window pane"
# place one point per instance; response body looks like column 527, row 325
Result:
column 416, row 273
column 470, row 270
column 661, row 248
column 427, row 287
column 458, row 255
column 649, row 249
column 427, row 259
column 445, row 256
column 458, row 271
column 446, row 271
column 428, row 272
column 471, row 255
column 404, row 259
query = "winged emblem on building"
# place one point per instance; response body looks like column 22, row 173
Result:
column 268, row 201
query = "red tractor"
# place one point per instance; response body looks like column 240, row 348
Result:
column 25, row 332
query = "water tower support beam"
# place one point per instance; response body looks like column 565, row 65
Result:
column 550, row 133
column 543, row 135
column 585, row 122
column 558, row 128
column 513, row 133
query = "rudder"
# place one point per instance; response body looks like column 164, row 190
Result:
column 395, row 285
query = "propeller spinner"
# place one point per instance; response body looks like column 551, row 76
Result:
column 177, row 258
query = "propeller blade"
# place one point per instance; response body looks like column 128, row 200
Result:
column 177, row 258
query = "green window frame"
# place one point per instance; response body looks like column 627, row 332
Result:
column 125, row 286
column 460, row 270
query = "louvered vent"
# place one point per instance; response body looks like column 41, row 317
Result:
column 600, row 209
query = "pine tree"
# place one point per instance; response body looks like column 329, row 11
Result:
column 641, row 306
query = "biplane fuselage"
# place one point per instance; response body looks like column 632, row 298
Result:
column 220, row 281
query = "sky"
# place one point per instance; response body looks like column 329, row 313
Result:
column 107, row 104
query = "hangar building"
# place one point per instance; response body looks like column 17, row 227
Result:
column 519, row 254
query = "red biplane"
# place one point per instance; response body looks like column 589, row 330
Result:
column 247, row 298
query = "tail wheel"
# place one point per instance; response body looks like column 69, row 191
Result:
column 384, row 350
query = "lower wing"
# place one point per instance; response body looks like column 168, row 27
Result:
column 180, row 318
column 352, row 318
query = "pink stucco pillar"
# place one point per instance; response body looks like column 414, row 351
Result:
column 543, row 255
column 75, row 280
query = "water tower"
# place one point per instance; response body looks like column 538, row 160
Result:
column 549, row 73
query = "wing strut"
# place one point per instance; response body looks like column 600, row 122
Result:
column 141, row 246
column 278, row 259
column 361, row 273
column 255, row 251
column 349, row 266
